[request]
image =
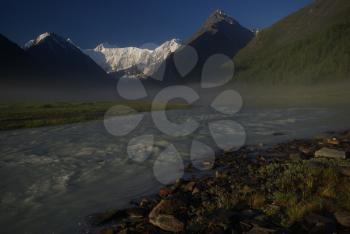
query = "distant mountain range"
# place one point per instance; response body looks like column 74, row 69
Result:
column 309, row 45
column 131, row 61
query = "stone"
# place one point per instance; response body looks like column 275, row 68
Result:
column 195, row 191
column 190, row 186
column 332, row 141
column 343, row 217
column 330, row 153
column 167, row 223
column 164, row 192
column 145, row 203
column 136, row 212
column 160, row 207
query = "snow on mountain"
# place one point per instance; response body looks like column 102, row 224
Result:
column 50, row 38
column 113, row 59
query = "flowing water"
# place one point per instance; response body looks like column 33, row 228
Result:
column 52, row 177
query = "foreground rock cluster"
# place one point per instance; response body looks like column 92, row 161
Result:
column 302, row 186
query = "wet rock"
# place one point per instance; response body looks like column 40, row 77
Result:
column 330, row 153
column 136, row 212
column 162, row 206
column 343, row 217
column 167, row 223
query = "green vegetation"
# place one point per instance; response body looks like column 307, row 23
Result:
column 300, row 188
column 30, row 115
column 288, row 191
column 310, row 45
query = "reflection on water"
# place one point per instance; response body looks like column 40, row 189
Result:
column 52, row 177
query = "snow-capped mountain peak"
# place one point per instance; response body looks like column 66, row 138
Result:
column 220, row 15
column 114, row 59
column 42, row 37
column 52, row 39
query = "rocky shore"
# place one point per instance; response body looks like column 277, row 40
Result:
column 302, row 186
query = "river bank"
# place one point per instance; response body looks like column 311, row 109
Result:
column 301, row 186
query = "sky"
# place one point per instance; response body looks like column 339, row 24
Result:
column 130, row 22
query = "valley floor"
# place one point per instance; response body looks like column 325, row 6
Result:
column 34, row 114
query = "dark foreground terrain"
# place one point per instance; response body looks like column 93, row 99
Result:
column 302, row 186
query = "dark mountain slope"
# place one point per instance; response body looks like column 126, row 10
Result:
column 220, row 34
column 309, row 46
column 60, row 57
column 13, row 59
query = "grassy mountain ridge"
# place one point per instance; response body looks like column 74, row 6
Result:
column 312, row 44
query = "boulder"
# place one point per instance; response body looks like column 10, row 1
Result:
column 165, row 222
column 330, row 153
column 190, row 186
